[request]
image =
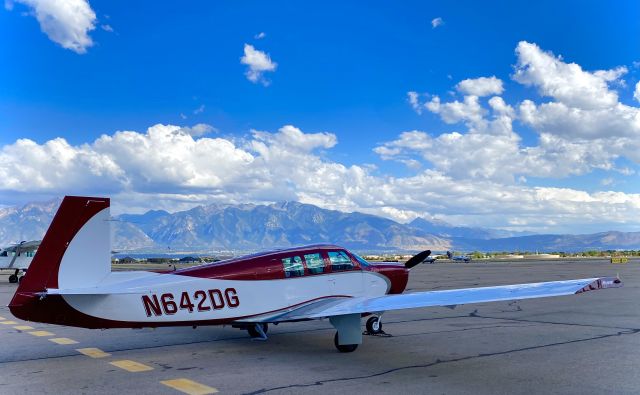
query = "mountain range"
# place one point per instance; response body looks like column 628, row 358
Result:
column 249, row 227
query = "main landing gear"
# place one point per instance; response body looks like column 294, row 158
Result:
column 373, row 326
column 14, row 277
column 258, row 331
column 343, row 347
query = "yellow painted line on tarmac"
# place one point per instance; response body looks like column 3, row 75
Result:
column 40, row 333
column 63, row 340
column 131, row 366
column 93, row 352
column 23, row 327
column 8, row 322
column 189, row 387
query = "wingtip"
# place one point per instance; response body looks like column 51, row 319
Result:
column 602, row 283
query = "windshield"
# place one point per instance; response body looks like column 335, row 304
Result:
column 360, row 259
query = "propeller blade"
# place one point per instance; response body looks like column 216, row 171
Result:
column 417, row 259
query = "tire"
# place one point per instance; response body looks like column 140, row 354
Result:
column 13, row 279
column 20, row 279
column 374, row 326
column 253, row 332
column 344, row 347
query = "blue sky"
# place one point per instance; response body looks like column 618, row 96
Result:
column 340, row 75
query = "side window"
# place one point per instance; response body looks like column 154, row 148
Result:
column 340, row 261
column 293, row 266
column 315, row 263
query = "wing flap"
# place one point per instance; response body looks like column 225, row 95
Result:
column 296, row 313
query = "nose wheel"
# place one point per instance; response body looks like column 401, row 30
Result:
column 374, row 326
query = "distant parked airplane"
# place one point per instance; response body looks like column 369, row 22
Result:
column 70, row 283
column 458, row 258
column 17, row 257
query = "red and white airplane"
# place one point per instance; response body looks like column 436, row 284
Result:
column 70, row 283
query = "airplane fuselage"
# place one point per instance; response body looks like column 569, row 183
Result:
column 224, row 292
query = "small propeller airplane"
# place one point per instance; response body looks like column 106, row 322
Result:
column 458, row 258
column 17, row 257
column 70, row 283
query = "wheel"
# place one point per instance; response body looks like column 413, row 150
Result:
column 344, row 347
column 253, row 332
column 20, row 279
column 374, row 326
column 13, row 279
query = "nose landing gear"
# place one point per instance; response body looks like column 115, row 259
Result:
column 374, row 326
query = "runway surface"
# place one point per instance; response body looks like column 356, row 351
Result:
column 573, row 344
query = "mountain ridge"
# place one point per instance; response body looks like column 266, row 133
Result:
column 289, row 223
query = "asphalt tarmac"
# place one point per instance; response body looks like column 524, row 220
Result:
column 588, row 343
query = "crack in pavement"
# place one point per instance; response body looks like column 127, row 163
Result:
column 475, row 314
column 439, row 362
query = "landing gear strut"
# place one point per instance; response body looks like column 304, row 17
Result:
column 258, row 331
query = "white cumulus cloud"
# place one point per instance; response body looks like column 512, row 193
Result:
column 414, row 100
column 435, row 22
column 482, row 86
column 584, row 127
column 66, row 22
column 198, row 130
column 566, row 82
column 176, row 167
column 258, row 63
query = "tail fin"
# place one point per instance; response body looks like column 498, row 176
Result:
column 75, row 250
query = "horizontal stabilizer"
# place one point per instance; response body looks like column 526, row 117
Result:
column 96, row 291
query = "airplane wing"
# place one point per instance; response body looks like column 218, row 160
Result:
column 344, row 306
column 25, row 246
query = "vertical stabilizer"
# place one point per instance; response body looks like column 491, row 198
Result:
column 75, row 250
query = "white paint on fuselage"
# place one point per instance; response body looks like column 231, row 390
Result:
column 255, row 296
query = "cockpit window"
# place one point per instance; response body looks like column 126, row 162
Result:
column 340, row 261
column 315, row 263
column 293, row 266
